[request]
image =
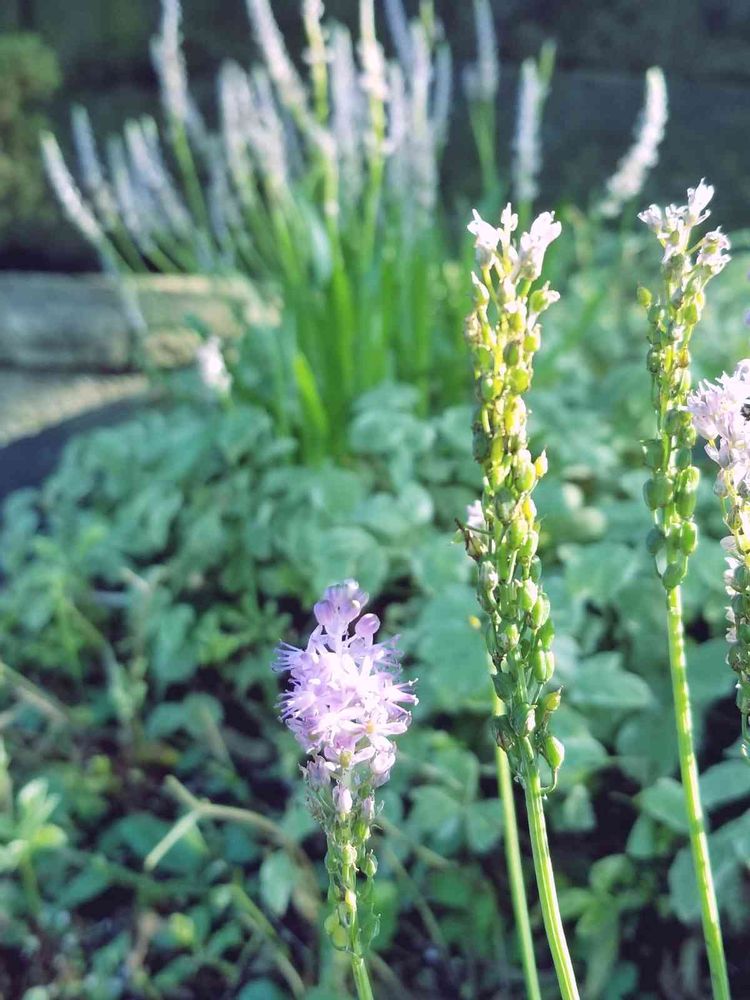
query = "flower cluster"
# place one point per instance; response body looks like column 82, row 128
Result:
column 344, row 705
column 721, row 414
column 643, row 155
column 502, row 530
column 670, row 492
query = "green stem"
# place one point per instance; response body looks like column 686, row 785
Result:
column 515, row 870
column 546, row 880
column 689, row 774
column 361, row 979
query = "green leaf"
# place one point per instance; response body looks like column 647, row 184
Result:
column 600, row 682
column 277, row 877
column 577, row 813
column 725, row 782
column 665, row 801
column 598, row 572
column 435, row 816
column 484, row 824
column 261, row 989
column 174, row 657
column 708, row 674
column 452, row 651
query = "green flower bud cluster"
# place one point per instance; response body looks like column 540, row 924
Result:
column 503, row 334
column 671, row 489
column 353, row 923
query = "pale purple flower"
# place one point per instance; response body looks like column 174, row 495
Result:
column 344, row 703
column 475, row 516
column 721, row 414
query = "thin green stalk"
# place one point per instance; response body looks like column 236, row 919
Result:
column 361, row 978
column 515, row 869
column 546, row 880
column 696, row 822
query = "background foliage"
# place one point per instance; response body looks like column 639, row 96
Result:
column 148, row 581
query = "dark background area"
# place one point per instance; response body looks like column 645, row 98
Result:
column 603, row 50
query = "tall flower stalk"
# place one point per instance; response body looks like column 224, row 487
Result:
column 721, row 415
column 502, row 533
column 670, row 492
column 344, row 705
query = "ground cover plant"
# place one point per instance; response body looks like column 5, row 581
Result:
column 155, row 836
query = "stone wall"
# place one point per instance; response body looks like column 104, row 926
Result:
column 69, row 344
column 90, row 323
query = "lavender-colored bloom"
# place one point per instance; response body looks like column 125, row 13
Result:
column 486, row 236
column 344, row 704
column 721, row 414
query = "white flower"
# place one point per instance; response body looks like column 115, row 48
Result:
column 630, row 176
column 698, row 198
column 712, row 252
column 533, row 245
column 487, row 238
column 527, row 145
column 211, row 366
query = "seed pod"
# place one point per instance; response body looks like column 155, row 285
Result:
column 654, row 360
column 535, row 569
column 512, row 353
column 525, row 477
column 519, row 379
column 688, row 537
column 529, row 547
column 644, row 296
column 686, row 494
column 532, row 341
column 657, row 492
column 683, row 457
column 540, row 612
column 529, row 594
column 546, row 634
column 674, row 574
column 542, row 665
column 653, row 453
column 551, row 701
column 554, row 752
column 369, row 865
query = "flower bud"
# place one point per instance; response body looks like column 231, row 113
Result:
column 644, row 296
column 342, row 800
column 542, row 665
